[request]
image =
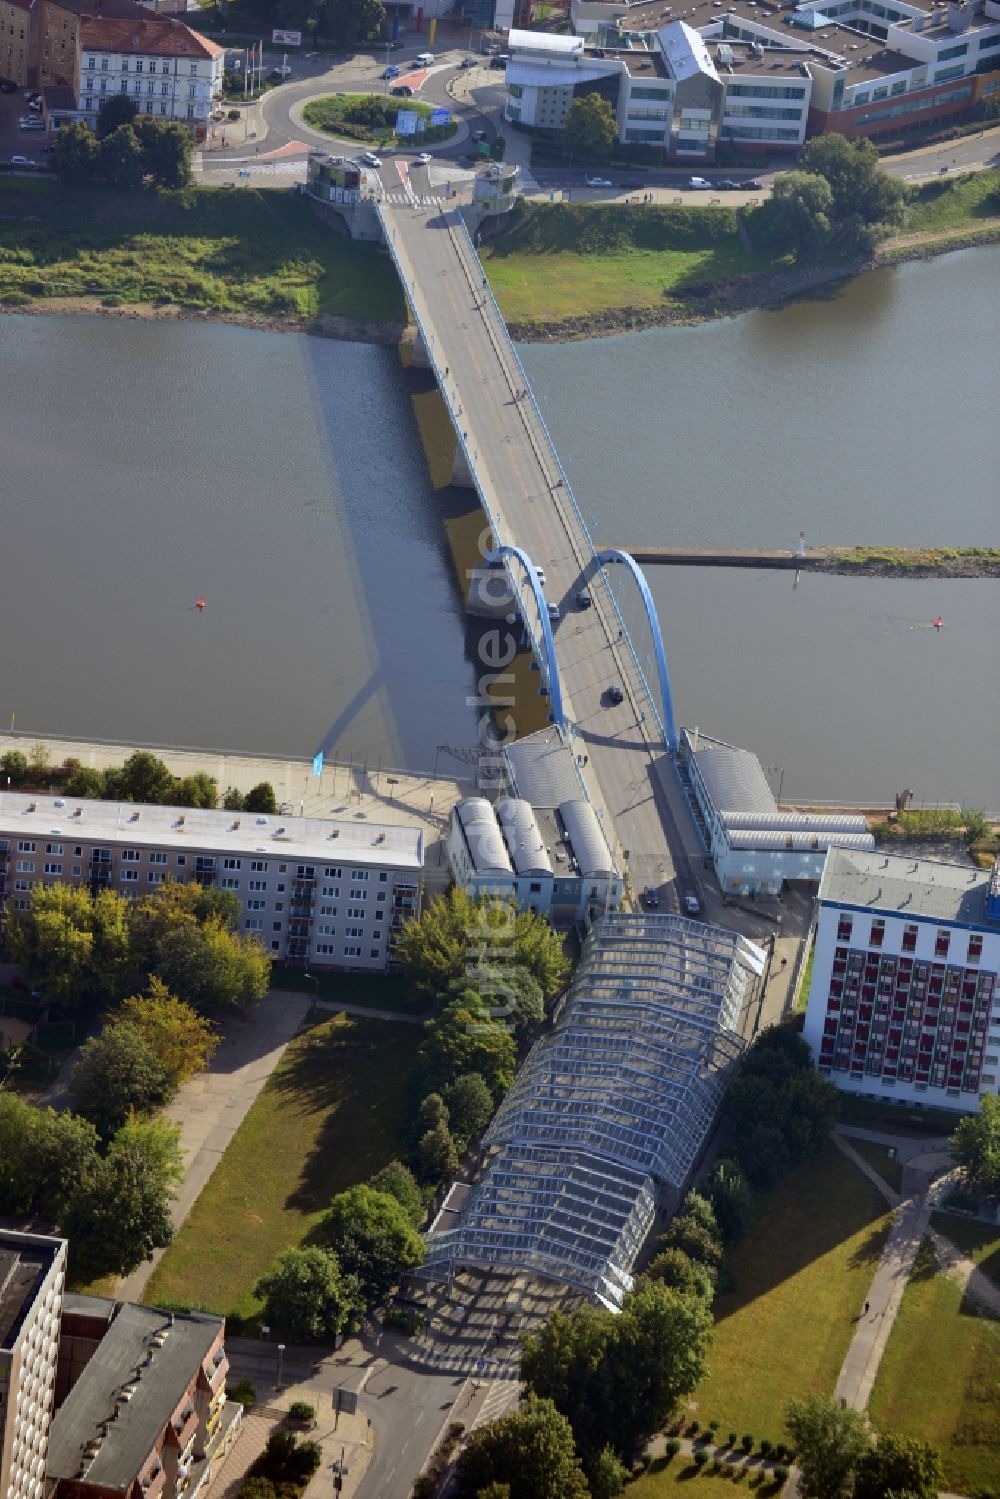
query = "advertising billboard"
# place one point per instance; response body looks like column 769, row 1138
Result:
column 286, row 38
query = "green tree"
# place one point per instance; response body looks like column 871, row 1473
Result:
column 172, row 905
column 797, row 214
column 115, row 110
column 307, row 1298
column 286, row 1460
column 866, row 201
column 182, row 1040
column 111, row 953
column 606, row 1474
column 728, row 1190
column 350, row 23
column 437, row 1155
column 167, row 147
column 145, row 778
column 75, row 160
column 470, row 1107
column 975, row 1145
column 495, row 1491
column 659, row 1354
column 398, row 1180
column 211, row 967
column 373, row 1238
column 464, row 1039
column 73, row 947
column 514, row 995
column 458, row 938
column 898, row 1466
column 44, row 1156
column 85, row 783
column 672, row 1267
column 14, row 766
column 117, row 1072
column 200, row 789
column 531, row 1450
column 120, row 1213
column 261, row 799
column 830, row 1442
column 689, row 1233
column 590, row 130
column 432, row 1111
column 123, row 163
column 234, row 801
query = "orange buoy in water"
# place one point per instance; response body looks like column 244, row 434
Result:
column 938, row 623
column 199, row 604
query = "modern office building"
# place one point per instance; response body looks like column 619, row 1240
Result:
column 759, row 77
column 32, row 1275
column 607, row 1118
column 904, row 1003
column 756, row 848
column 145, row 1415
column 314, row 891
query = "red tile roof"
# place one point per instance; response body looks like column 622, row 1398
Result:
column 146, row 36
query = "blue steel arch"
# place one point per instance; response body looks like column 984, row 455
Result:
column 613, row 555
column 555, row 690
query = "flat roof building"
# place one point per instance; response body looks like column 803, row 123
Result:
column 324, row 891
column 32, row 1276
column 904, row 1002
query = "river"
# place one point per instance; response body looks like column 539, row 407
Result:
column 148, row 464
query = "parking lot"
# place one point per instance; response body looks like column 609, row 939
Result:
column 13, row 140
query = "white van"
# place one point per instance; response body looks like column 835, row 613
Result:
column 424, row 59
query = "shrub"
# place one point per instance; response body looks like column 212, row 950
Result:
column 693, row 1429
column 243, row 1392
column 673, row 1447
column 747, row 1443
column 301, row 1410
column 765, row 1446
column 234, row 114
column 700, row 1457
column 112, row 300
column 731, row 1439
column 779, row 1452
column 713, row 1427
column 781, row 1474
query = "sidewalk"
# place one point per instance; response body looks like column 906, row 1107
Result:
column 211, row 1107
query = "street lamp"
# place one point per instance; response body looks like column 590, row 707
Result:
column 313, row 980
column 281, row 1349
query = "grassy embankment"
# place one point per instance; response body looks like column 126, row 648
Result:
column 341, row 115
column 940, row 1373
column 333, row 1112
column 917, row 561
column 239, row 252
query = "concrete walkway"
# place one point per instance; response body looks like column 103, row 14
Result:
column 211, row 1107
column 363, row 1012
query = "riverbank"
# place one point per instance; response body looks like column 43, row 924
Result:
column 860, row 561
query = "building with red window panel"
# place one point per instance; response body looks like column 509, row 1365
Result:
column 904, row 1003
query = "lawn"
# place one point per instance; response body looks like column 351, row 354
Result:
column 939, row 1379
column 370, row 119
column 226, row 249
column 333, row 1112
column 894, row 1118
column 681, row 1479
column 954, row 203
column 878, row 1156
column 980, row 1241
column 564, row 261
column 800, row 1276
column 372, row 991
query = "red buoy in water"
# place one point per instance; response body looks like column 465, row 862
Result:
column 199, row 604
column 938, row 623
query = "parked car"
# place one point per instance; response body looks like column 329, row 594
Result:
column 30, row 122
column 631, row 182
column 583, row 599
column 650, row 896
column 728, row 183
column 7, row 86
column 21, row 161
column 423, row 158
column 401, row 91
column 692, row 904
column 540, row 575
column 598, row 181
column 615, row 694
column 425, row 59
column 752, row 185
column 500, row 61
column 698, row 182
column 392, row 71
column 370, row 159
column 468, row 62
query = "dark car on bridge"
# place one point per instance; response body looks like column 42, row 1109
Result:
column 615, row 694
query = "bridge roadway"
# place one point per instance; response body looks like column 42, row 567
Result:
column 527, row 499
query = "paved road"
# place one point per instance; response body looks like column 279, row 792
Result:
column 524, row 491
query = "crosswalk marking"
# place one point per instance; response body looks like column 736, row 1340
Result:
column 501, row 1397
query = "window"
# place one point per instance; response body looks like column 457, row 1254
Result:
column 91, row 64
column 535, row 887
column 104, row 64
column 279, row 905
column 352, row 952
column 254, row 924
column 232, row 864
column 164, row 67
column 156, row 876
column 941, row 944
column 355, row 913
column 373, row 952
column 326, row 929
column 329, row 891
column 194, row 70
column 138, row 65
column 130, row 856
column 164, row 90
column 948, row 52
column 157, row 858
column 129, row 876
column 975, row 947
column 381, row 896
column 877, row 933
column 229, row 883
column 383, row 878
column 275, row 926
column 22, row 885
column 256, row 905
column 324, row 949
column 53, row 848
column 328, row 910
column 354, row 931
column 359, row 874
column 257, row 885
column 25, row 866
column 124, row 87
column 53, row 869
column 76, row 871
column 909, row 941
column 333, row 874
column 25, row 847
column 357, row 894
column 124, row 64
column 181, row 860
column 258, row 866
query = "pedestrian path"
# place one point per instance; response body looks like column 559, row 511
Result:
column 501, row 1396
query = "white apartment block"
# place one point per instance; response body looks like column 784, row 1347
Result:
column 904, row 1003
column 32, row 1275
column 313, row 891
column 168, row 69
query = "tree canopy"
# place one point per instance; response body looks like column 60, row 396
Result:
column 976, row 1146
column 373, row 1237
column 470, row 1107
column 182, row 1040
column 797, row 214
column 531, row 1451
column 830, row 1442
column 120, row 1213
column 44, row 1156
column 399, row 1182
column 117, row 1073
column 463, row 1039
column 211, row 967
column 590, row 129
column 73, row 946
column 898, row 1466
column 458, row 938
column 866, row 201
column 308, row 1298
column 779, row 1109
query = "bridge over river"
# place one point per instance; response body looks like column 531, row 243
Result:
column 536, row 524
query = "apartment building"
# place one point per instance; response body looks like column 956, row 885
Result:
column 32, row 1276
column 17, row 42
column 145, row 1415
column 167, row 68
column 904, row 1002
column 313, row 891
column 760, row 76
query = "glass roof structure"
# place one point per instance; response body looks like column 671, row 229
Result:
column 610, row 1112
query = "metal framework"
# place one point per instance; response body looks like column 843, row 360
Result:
column 612, row 554
column 610, row 1112
column 505, row 551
